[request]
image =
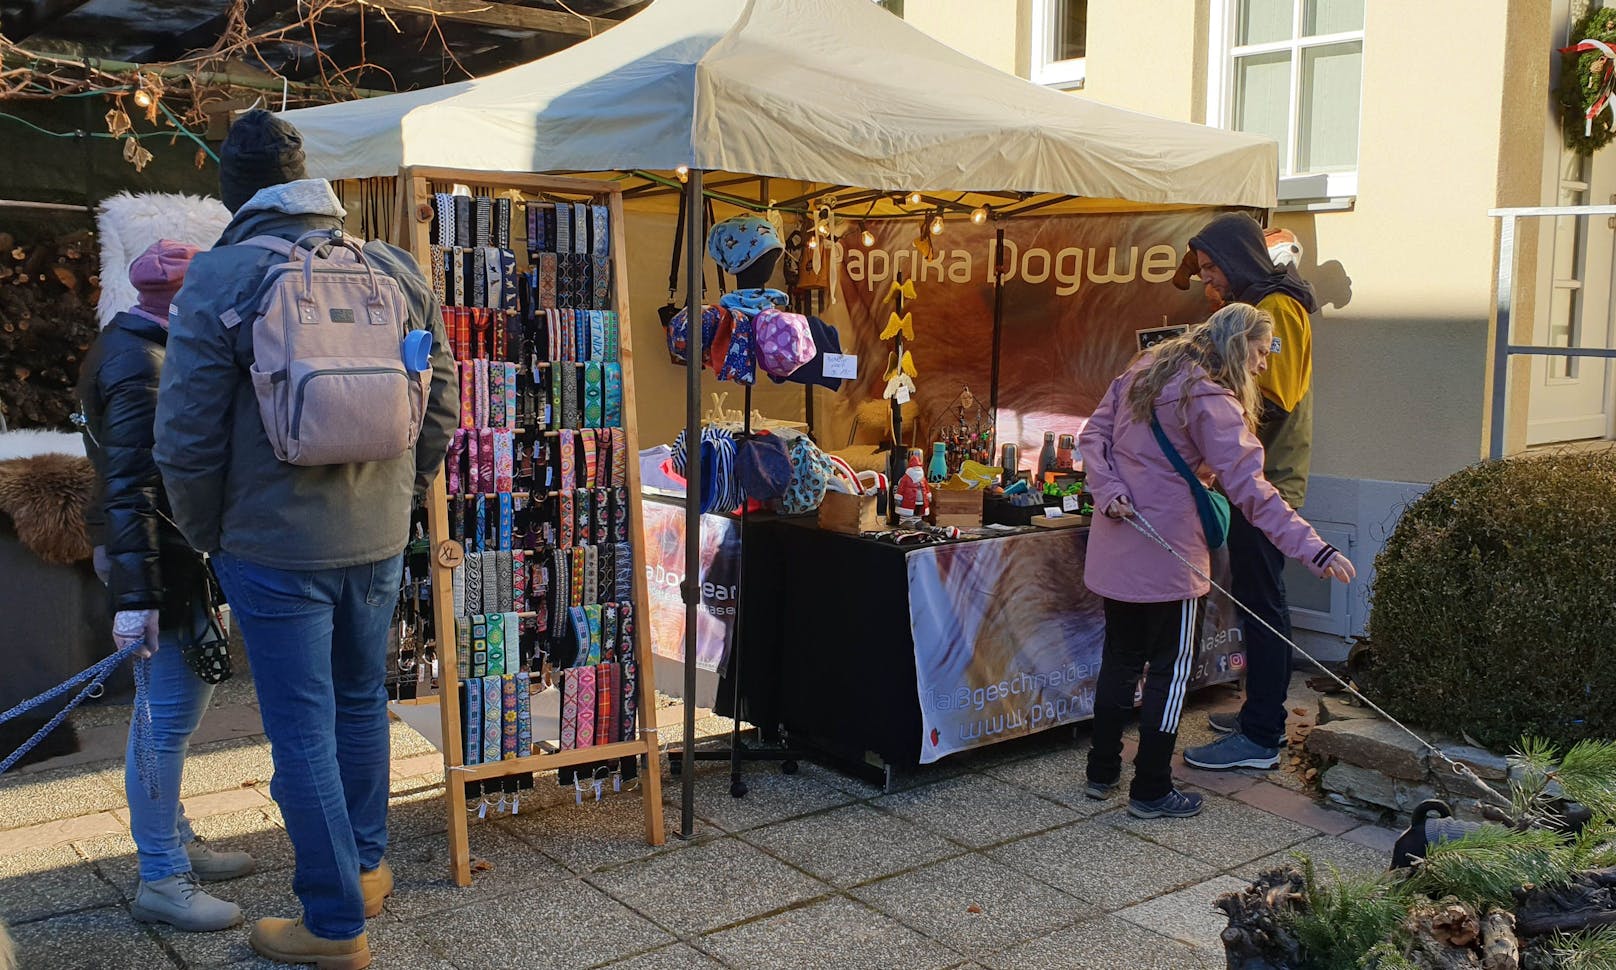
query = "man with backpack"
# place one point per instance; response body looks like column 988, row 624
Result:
column 298, row 418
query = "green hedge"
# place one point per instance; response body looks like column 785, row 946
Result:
column 1495, row 603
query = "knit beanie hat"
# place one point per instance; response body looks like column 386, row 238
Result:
column 261, row 150
column 158, row 274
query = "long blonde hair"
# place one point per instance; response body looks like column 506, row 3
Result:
column 1220, row 346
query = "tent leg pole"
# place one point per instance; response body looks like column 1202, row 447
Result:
column 694, row 232
column 998, row 332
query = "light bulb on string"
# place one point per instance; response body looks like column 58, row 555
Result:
column 813, row 242
column 936, row 225
column 868, row 238
column 979, row 214
column 143, row 97
column 914, row 198
column 683, row 172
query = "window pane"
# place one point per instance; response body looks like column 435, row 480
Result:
column 1262, row 21
column 1068, row 29
column 1331, row 17
column 1331, row 87
column 1262, row 98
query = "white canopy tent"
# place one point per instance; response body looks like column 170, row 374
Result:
column 837, row 93
column 828, row 91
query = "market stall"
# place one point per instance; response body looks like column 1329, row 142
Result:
column 859, row 133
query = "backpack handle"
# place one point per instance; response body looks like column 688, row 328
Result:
column 338, row 238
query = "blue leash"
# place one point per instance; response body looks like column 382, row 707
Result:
column 93, row 678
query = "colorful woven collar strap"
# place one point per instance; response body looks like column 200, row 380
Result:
column 594, row 395
column 612, row 411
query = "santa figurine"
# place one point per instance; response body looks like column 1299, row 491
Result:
column 914, row 494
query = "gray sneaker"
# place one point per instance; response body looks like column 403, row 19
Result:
column 181, row 902
column 212, row 865
column 1232, row 751
column 1228, row 722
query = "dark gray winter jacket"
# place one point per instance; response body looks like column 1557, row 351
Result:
column 228, row 490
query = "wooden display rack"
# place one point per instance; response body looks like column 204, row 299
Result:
column 416, row 187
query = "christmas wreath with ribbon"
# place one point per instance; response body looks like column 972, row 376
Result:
column 1587, row 75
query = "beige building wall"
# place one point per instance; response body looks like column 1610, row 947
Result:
column 988, row 30
column 1406, row 274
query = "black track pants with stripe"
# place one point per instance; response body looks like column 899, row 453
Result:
column 1162, row 637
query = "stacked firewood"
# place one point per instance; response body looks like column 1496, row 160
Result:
column 48, row 289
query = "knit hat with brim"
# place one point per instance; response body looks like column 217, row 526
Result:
column 261, row 150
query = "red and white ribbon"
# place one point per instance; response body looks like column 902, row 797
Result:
column 1608, row 75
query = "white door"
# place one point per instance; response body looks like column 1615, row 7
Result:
column 1571, row 397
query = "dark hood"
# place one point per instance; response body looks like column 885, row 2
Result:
column 1235, row 243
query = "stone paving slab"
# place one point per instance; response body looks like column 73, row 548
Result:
column 938, row 901
column 1059, row 776
column 708, row 886
column 833, row 934
column 1101, row 864
column 599, row 835
column 1187, row 915
column 852, row 844
column 96, row 939
column 256, row 831
column 1326, row 850
column 976, row 810
column 560, row 925
column 421, row 873
column 226, row 765
column 1225, row 834
column 46, row 796
column 680, row 956
column 1103, row 943
column 772, row 796
column 40, row 883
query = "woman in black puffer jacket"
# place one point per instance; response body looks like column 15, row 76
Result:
column 159, row 594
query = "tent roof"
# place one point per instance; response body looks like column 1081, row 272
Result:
column 823, row 91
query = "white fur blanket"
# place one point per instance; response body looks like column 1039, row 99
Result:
column 27, row 443
column 129, row 223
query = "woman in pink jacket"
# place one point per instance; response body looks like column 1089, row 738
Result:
column 1200, row 388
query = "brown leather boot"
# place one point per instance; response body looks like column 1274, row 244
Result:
column 289, row 941
column 377, row 885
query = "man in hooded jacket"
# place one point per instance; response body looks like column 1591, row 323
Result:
column 1231, row 256
column 310, row 557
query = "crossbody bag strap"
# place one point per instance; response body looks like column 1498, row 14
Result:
column 1173, row 457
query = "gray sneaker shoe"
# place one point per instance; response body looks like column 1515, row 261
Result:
column 211, row 865
column 1228, row 722
column 1232, row 751
column 181, row 902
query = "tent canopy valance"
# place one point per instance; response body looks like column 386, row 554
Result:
column 825, row 92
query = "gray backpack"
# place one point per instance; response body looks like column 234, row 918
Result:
column 328, row 366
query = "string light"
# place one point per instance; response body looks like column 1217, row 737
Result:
column 813, row 242
column 868, row 238
column 683, row 172
column 914, row 198
column 979, row 214
column 937, row 224
column 143, row 98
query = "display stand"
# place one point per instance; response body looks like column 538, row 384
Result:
column 417, row 186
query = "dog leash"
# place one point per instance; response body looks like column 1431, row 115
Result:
column 1143, row 526
column 92, row 678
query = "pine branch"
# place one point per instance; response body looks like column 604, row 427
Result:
column 1587, row 774
column 1585, row 951
column 1489, row 864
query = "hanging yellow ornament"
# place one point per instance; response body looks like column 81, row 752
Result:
column 896, row 324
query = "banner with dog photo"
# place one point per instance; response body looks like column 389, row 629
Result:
column 1008, row 639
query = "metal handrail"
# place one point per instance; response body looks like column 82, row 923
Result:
column 1503, row 350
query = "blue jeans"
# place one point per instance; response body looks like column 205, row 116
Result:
column 178, row 699
column 317, row 640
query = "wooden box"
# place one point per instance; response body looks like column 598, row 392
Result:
column 1067, row 521
column 852, row 514
column 957, row 508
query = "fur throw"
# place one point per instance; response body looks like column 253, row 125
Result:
column 129, row 223
column 29, row 442
column 46, row 497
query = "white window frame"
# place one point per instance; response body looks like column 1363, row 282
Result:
column 1067, row 74
column 1293, row 187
